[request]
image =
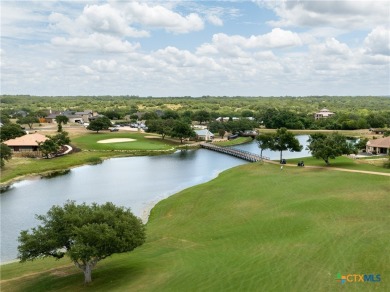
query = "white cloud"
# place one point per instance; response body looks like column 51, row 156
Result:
column 235, row 45
column 206, row 49
column 106, row 19
column 105, row 65
column 51, row 64
column 95, row 41
column 331, row 47
column 87, row 69
column 345, row 14
column 215, row 20
column 378, row 41
column 160, row 17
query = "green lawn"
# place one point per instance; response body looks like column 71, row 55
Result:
column 90, row 142
column 254, row 228
column 237, row 141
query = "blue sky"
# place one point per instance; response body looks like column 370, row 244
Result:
column 184, row 48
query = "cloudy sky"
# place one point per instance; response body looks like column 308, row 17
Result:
column 184, row 48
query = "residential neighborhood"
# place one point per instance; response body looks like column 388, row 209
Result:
column 74, row 117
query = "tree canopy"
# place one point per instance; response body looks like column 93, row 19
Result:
column 61, row 138
column 85, row 233
column 283, row 140
column 265, row 141
column 61, row 119
column 160, row 126
column 48, row 147
column 5, row 154
column 330, row 146
column 101, row 123
column 11, row 131
column 202, row 116
column 28, row 120
column 182, row 130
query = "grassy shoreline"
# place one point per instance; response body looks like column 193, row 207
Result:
column 234, row 142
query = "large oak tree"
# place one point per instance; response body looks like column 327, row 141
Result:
column 85, row 233
column 284, row 140
column 330, row 146
column 101, row 123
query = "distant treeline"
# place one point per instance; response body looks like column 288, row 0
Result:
column 351, row 112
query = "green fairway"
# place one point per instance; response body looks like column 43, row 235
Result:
column 90, row 142
column 254, row 228
column 237, row 141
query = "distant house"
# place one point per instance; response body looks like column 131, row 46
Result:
column 379, row 131
column 95, row 117
column 204, row 135
column 26, row 143
column 323, row 114
column 85, row 115
column 226, row 119
column 74, row 117
column 379, row 146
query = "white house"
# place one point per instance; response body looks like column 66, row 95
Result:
column 226, row 119
column 323, row 114
column 204, row 135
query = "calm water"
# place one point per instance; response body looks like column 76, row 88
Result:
column 135, row 182
column 252, row 147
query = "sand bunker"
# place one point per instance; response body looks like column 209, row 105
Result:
column 116, row 140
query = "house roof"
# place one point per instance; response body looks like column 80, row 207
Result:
column 381, row 142
column 204, row 132
column 324, row 111
column 52, row 116
column 86, row 112
column 27, row 140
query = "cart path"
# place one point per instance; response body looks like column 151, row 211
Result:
column 335, row 168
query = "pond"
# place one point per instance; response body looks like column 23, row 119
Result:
column 134, row 182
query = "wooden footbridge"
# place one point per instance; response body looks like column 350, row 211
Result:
column 248, row 156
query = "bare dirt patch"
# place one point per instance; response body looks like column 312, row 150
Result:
column 116, row 140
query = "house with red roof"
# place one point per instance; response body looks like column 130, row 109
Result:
column 379, row 146
column 26, row 143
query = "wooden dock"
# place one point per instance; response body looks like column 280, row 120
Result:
column 242, row 154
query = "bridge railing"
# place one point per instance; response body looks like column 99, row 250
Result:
column 243, row 154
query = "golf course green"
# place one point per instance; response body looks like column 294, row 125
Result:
column 137, row 141
column 253, row 228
